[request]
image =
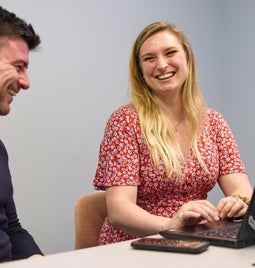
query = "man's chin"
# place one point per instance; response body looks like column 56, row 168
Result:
column 4, row 110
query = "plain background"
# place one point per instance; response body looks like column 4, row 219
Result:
column 79, row 77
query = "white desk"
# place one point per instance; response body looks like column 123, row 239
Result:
column 121, row 255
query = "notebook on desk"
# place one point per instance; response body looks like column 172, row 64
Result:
column 225, row 233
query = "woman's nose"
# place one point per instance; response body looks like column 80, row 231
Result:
column 162, row 63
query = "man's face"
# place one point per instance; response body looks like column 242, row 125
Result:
column 14, row 58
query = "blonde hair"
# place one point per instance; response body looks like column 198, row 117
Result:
column 156, row 127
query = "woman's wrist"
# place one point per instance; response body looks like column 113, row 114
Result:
column 245, row 199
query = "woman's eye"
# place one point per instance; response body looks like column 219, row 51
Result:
column 171, row 53
column 148, row 59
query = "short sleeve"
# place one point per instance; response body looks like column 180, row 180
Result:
column 229, row 156
column 118, row 162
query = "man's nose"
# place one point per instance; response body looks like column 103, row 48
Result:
column 24, row 80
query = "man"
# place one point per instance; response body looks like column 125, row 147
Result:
column 17, row 38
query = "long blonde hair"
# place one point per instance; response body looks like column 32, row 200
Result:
column 155, row 126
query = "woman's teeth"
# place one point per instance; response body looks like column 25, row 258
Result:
column 164, row 76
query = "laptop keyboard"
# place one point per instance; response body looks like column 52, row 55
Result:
column 224, row 233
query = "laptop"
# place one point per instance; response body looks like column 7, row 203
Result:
column 232, row 233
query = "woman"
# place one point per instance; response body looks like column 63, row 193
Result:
column 165, row 151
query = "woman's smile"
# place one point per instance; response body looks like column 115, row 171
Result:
column 165, row 76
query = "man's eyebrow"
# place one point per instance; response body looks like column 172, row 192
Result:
column 21, row 62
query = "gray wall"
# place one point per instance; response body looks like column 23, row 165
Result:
column 79, row 77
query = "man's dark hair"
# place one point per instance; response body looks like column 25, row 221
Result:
column 13, row 26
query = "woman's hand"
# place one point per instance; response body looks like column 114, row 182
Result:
column 229, row 207
column 196, row 212
column 237, row 184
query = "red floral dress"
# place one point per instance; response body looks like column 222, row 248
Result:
column 124, row 159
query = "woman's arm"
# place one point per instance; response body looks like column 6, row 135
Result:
column 234, row 184
column 237, row 189
column 126, row 215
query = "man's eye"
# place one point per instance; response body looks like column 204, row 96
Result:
column 19, row 68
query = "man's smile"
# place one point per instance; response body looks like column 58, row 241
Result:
column 12, row 92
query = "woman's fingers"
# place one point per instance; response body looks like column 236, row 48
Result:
column 229, row 207
column 195, row 212
column 200, row 211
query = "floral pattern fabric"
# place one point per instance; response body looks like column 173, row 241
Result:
column 124, row 159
